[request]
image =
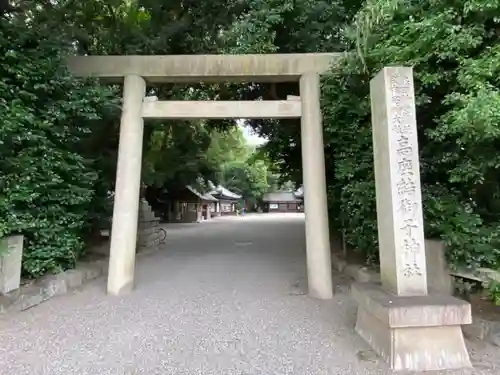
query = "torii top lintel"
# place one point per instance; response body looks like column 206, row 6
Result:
column 203, row 68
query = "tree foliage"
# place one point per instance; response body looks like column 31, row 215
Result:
column 59, row 135
column 291, row 26
column 453, row 48
column 47, row 183
column 239, row 166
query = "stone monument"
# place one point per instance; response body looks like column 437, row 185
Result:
column 410, row 329
column 11, row 256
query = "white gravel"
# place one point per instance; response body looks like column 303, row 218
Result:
column 222, row 297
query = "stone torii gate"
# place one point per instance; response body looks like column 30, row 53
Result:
column 135, row 71
column 407, row 327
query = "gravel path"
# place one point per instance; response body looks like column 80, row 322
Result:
column 222, row 297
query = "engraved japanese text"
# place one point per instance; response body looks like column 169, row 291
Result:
column 407, row 180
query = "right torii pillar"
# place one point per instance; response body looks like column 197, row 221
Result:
column 410, row 329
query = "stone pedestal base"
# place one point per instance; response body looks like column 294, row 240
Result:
column 421, row 333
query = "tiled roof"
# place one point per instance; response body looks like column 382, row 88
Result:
column 281, row 196
column 205, row 197
column 299, row 193
column 223, row 192
column 209, row 197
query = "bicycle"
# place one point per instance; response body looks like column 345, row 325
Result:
column 163, row 235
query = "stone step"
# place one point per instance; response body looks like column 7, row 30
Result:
column 146, row 213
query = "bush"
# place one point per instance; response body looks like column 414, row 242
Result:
column 46, row 185
column 454, row 51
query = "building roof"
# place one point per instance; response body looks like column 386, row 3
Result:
column 299, row 193
column 209, row 197
column 281, row 196
column 224, row 193
column 204, row 197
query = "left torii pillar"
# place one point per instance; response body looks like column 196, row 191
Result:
column 127, row 188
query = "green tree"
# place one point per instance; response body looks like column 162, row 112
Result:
column 227, row 146
column 453, row 48
column 174, row 150
column 291, row 26
column 60, row 134
column 175, row 154
column 46, row 185
column 239, row 167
